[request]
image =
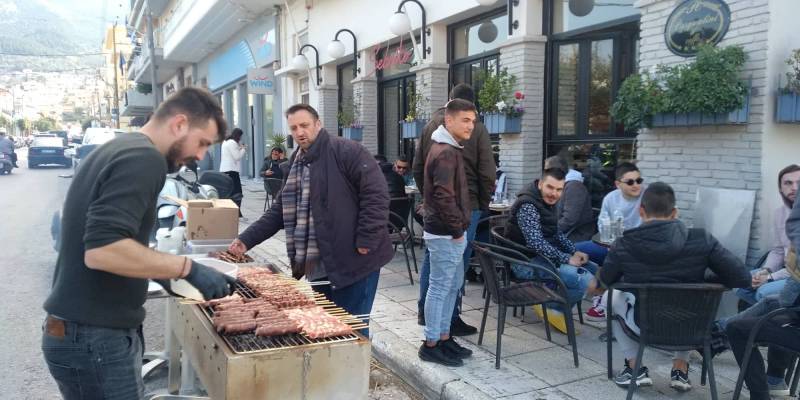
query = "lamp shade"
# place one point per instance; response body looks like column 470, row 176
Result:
column 335, row 49
column 300, row 62
column 581, row 8
column 487, row 32
column 399, row 24
column 486, row 2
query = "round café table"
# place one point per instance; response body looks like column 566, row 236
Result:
column 596, row 240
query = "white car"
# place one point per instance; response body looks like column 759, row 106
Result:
column 93, row 138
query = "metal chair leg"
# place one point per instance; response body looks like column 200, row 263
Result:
column 632, row 385
column 710, row 365
column 571, row 338
column 546, row 321
column 501, row 322
column 483, row 320
column 609, row 334
column 408, row 264
column 580, row 312
column 742, row 368
column 413, row 254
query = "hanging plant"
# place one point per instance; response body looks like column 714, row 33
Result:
column 498, row 94
column 708, row 86
column 793, row 76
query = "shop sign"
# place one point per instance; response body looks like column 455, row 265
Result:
column 260, row 81
column 400, row 56
column 696, row 22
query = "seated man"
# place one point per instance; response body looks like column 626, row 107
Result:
column 662, row 250
column 533, row 222
column 401, row 167
column 763, row 384
column 399, row 203
column 625, row 199
column 770, row 279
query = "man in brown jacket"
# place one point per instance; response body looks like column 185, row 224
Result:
column 446, row 213
column 479, row 168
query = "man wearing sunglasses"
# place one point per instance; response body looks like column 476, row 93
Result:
column 626, row 199
column 402, row 169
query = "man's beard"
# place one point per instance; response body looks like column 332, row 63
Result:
column 174, row 160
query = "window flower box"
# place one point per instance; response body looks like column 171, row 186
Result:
column 413, row 129
column 356, row 134
column 787, row 110
column 738, row 116
column 502, row 123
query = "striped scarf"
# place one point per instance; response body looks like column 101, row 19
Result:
column 298, row 222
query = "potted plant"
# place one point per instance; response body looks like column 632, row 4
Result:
column 414, row 122
column 705, row 92
column 788, row 107
column 500, row 104
column 277, row 140
column 348, row 118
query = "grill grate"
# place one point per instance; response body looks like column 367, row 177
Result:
column 251, row 343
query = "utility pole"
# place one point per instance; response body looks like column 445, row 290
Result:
column 151, row 46
column 115, row 61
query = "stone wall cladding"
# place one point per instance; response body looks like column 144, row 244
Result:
column 725, row 156
column 329, row 108
column 366, row 91
column 521, row 154
column 432, row 82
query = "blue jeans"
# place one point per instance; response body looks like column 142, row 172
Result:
column 576, row 279
column 597, row 254
column 753, row 296
column 357, row 298
column 90, row 362
column 424, row 274
column 446, row 279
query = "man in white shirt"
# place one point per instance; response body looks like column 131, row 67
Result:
column 230, row 163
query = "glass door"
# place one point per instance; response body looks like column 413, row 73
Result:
column 393, row 106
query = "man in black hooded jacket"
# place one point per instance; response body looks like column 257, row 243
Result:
column 662, row 250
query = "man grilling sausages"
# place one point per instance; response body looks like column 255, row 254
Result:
column 90, row 340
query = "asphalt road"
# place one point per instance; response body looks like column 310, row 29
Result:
column 27, row 202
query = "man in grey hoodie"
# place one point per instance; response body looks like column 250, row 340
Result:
column 446, row 214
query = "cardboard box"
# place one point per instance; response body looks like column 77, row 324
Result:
column 210, row 219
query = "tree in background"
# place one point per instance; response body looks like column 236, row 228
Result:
column 24, row 125
column 45, row 124
column 4, row 122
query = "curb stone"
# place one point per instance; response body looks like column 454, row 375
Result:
column 433, row 381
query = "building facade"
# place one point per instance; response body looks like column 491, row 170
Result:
column 569, row 58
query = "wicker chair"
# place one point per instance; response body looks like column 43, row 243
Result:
column 671, row 317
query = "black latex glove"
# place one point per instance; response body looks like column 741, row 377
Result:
column 211, row 283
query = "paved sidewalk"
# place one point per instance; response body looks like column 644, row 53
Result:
column 530, row 366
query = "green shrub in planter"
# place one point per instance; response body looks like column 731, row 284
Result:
column 788, row 101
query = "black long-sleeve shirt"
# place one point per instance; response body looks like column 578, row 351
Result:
column 112, row 197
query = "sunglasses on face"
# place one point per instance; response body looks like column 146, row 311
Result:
column 630, row 182
column 399, row 167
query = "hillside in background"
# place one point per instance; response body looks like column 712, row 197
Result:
column 50, row 27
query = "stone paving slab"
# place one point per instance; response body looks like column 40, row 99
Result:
column 531, row 367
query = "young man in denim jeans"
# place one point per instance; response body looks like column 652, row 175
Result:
column 446, row 208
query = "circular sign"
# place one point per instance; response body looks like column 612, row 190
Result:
column 694, row 23
column 581, row 8
column 487, row 32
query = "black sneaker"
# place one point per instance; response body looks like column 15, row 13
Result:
column 437, row 354
column 679, row 380
column 461, row 328
column 451, row 346
column 624, row 377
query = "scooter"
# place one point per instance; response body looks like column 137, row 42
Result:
column 6, row 165
column 182, row 185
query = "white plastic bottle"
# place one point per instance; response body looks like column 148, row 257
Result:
column 618, row 221
column 605, row 227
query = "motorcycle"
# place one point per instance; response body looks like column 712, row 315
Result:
column 185, row 185
column 6, row 165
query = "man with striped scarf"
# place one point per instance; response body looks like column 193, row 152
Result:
column 334, row 209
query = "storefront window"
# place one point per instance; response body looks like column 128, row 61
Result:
column 598, row 12
column 480, row 36
column 596, row 162
column 345, row 75
column 567, row 90
column 600, row 85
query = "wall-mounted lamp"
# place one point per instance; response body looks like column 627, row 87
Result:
column 399, row 24
column 510, row 4
column 336, row 49
column 300, row 62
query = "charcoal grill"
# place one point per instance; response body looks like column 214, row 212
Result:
column 247, row 366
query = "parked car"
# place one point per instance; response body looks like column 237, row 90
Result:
column 93, row 138
column 47, row 150
column 62, row 135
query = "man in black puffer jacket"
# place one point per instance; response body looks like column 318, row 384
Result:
column 663, row 250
